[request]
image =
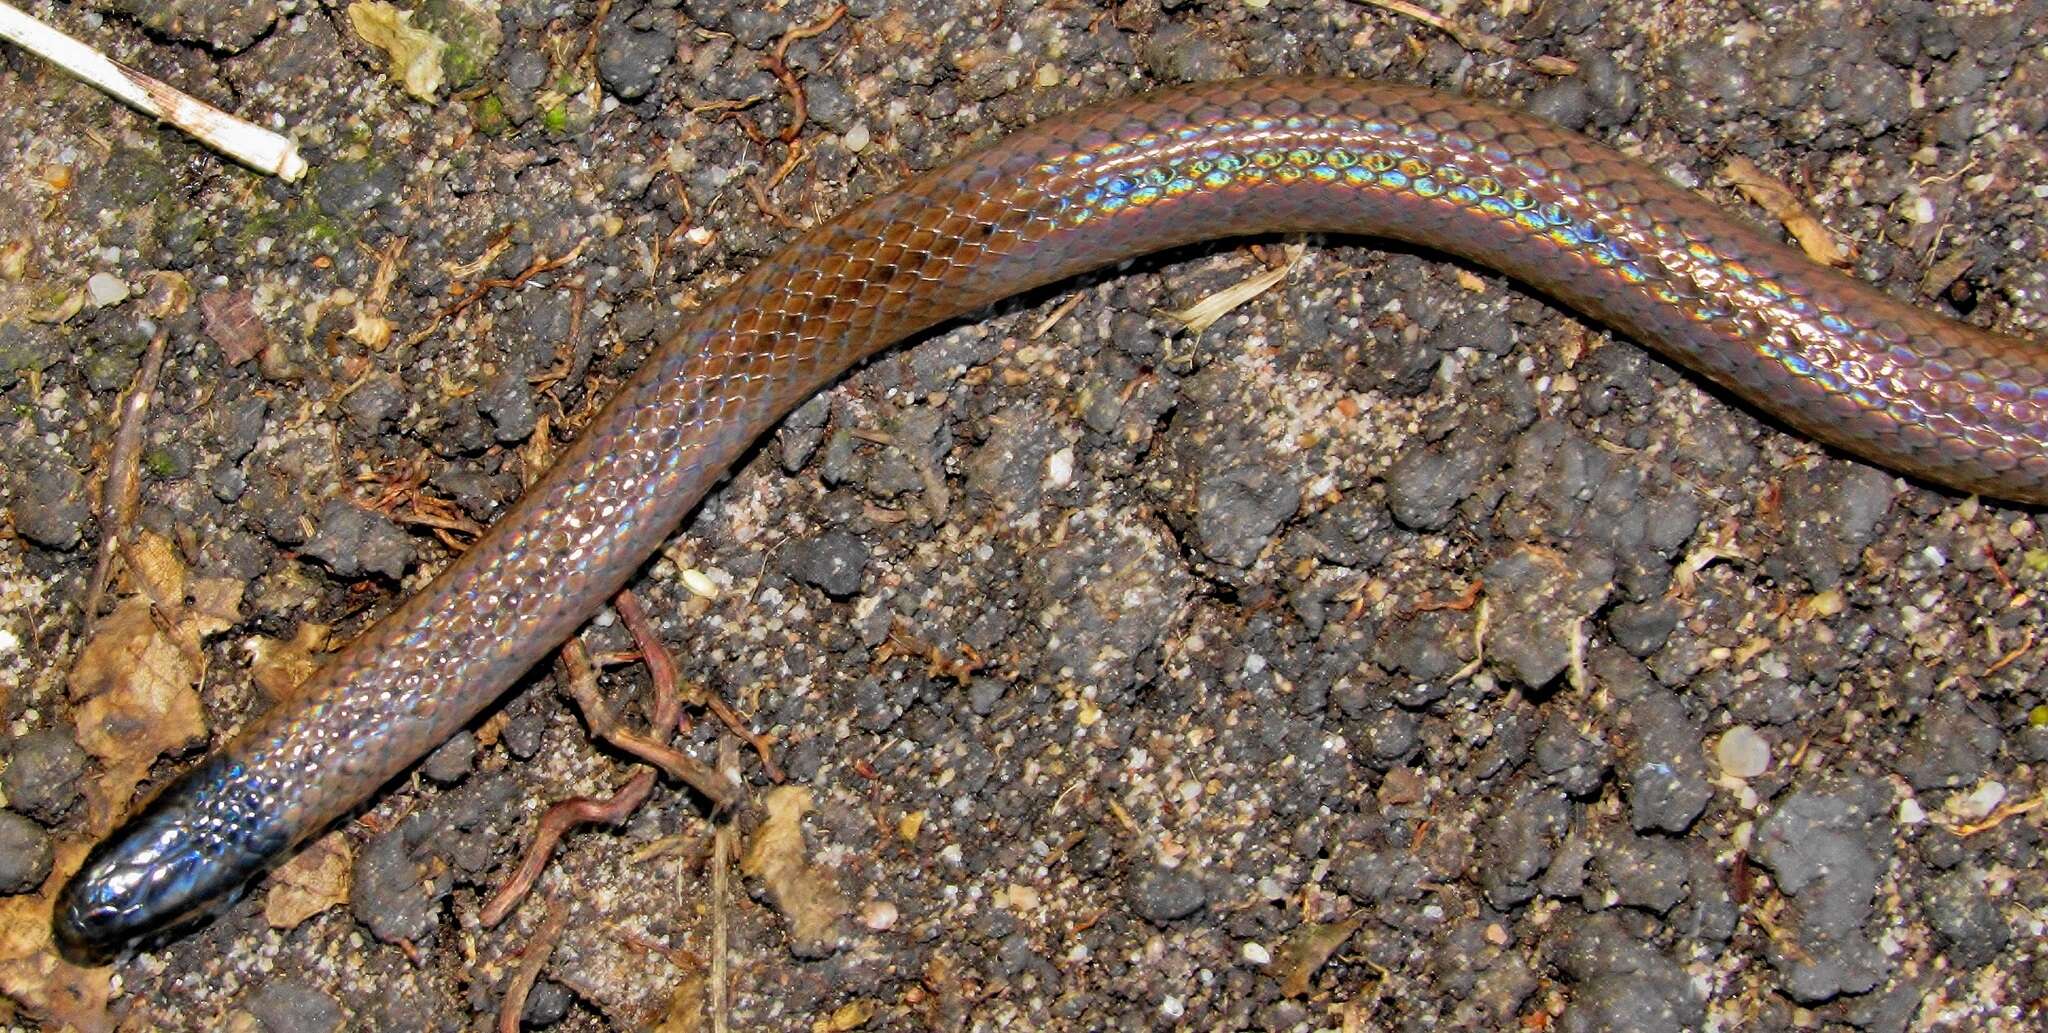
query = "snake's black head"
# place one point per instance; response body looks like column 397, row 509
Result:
column 182, row 858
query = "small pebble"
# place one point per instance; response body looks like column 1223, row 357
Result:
column 1978, row 803
column 25, row 853
column 700, row 584
column 106, row 289
column 1059, row 470
column 857, row 138
column 879, row 915
column 1743, row 753
column 1257, row 954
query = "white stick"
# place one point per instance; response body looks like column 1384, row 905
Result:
column 246, row 142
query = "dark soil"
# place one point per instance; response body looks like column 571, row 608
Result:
column 1748, row 747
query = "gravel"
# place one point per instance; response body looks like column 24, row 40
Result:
column 1822, row 848
column 42, row 775
column 354, row 541
column 294, row 1006
column 25, row 853
column 1161, row 895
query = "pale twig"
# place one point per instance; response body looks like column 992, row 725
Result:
column 1467, row 36
column 121, row 490
column 513, row 1008
column 244, row 141
column 721, row 862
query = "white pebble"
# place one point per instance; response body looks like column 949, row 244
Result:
column 1059, row 470
column 1257, row 954
column 1742, row 752
column 106, row 289
column 857, row 138
column 699, row 583
column 879, row 915
column 1981, row 801
column 1911, row 813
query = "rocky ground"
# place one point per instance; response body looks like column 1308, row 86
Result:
column 1403, row 652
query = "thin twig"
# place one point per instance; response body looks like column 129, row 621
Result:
column 513, row 1008
column 760, row 743
column 661, row 667
column 721, row 876
column 1467, row 36
column 554, row 824
column 122, row 489
column 244, row 141
column 777, row 66
column 581, row 681
column 478, row 290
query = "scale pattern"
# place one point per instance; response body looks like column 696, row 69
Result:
column 1828, row 355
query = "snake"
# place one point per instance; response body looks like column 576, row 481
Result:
column 1823, row 353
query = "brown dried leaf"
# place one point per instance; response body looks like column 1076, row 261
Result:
column 154, row 564
column 139, row 689
column 314, row 880
column 232, row 322
column 1308, row 950
column 1204, row 313
column 805, row 894
column 32, row 973
column 849, row 1016
column 212, row 605
column 138, row 676
column 280, row 666
column 686, row 1006
column 1774, row 197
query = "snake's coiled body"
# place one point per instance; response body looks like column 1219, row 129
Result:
column 1828, row 355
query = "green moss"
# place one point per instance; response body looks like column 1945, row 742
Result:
column 159, row 463
column 22, row 349
column 556, row 117
column 488, row 114
column 470, row 29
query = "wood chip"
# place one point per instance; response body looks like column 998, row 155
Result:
column 1774, row 197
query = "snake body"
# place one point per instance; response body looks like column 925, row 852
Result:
column 1826, row 354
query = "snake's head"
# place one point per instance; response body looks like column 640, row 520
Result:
column 184, row 856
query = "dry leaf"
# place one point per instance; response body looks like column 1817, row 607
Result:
column 415, row 53
column 32, row 973
column 141, row 699
column 1308, row 950
column 686, row 1006
column 314, row 880
column 805, row 895
column 1204, row 313
column 849, row 1016
column 1773, row 197
column 138, row 675
column 212, row 605
column 154, row 565
column 232, row 322
column 280, row 666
